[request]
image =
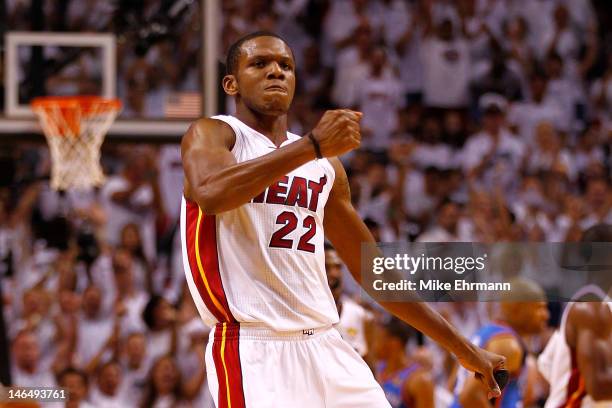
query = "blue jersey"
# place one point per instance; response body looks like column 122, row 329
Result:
column 511, row 395
column 393, row 386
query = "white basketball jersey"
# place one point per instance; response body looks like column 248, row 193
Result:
column 263, row 262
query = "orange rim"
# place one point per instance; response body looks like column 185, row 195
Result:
column 86, row 103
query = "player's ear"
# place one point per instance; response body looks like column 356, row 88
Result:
column 230, row 85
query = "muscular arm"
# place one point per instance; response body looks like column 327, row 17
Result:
column 211, row 170
column 588, row 332
column 346, row 231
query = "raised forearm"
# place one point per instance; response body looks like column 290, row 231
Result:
column 247, row 179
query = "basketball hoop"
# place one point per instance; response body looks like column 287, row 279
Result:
column 75, row 127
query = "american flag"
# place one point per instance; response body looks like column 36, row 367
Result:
column 183, row 105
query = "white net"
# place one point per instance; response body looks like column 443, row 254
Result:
column 75, row 130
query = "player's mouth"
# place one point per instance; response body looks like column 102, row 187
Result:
column 276, row 88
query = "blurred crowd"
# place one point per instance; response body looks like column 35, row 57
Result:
column 484, row 120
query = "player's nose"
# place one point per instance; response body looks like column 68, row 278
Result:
column 275, row 72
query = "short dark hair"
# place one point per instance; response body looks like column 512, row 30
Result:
column 148, row 313
column 233, row 54
column 398, row 329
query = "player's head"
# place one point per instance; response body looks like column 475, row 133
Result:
column 261, row 73
column 333, row 267
column 525, row 308
column 391, row 338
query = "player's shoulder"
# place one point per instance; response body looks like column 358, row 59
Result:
column 209, row 130
column 588, row 314
column 583, row 317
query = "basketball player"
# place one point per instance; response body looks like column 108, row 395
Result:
column 406, row 383
column 252, row 227
column 518, row 319
column 577, row 361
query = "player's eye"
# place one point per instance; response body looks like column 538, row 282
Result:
column 285, row 66
column 259, row 63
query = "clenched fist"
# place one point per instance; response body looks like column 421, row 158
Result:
column 338, row 132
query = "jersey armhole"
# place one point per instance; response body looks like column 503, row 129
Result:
column 329, row 168
column 236, row 149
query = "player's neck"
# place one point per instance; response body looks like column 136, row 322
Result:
column 271, row 126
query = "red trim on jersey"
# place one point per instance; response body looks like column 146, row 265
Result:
column 207, row 251
column 576, row 390
column 210, row 262
column 191, row 221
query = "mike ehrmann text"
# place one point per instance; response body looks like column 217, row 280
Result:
column 435, row 284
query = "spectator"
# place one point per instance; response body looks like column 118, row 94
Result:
column 598, row 203
column 315, row 79
column 525, row 116
column 379, row 99
column 27, row 370
column 352, row 67
column 355, row 323
column 498, row 78
column 410, row 57
column 549, row 153
column 129, row 299
column 494, row 154
column 135, row 365
column 447, row 227
column 160, row 319
column 375, row 198
column 132, row 197
column 429, row 150
column 446, row 67
column 108, row 391
column 515, row 44
column 94, row 327
column 165, row 386
column 76, row 384
column 133, row 253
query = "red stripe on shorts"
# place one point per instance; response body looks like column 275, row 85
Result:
column 226, row 355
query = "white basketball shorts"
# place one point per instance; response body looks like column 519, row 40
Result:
column 253, row 367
